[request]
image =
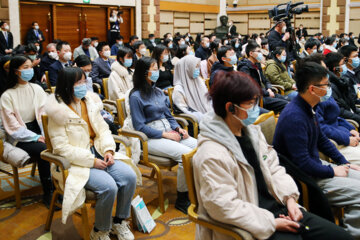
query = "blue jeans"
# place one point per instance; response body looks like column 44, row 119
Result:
column 117, row 180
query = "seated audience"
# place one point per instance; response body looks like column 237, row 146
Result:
column 151, row 115
column 251, row 65
column 150, row 44
column 90, row 148
column 276, row 72
column 64, row 52
column 120, row 80
column 330, row 45
column 84, row 63
column 299, row 137
column 310, row 47
column 102, row 64
column 139, row 51
column 214, row 47
column 235, row 43
column 203, row 51
column 94, row 42
column 182, row 51
column 48, row 59
column 238, row 179
column 226, row 61
column 86, row 49
column 133, row 39
column 22, row 105
column 190, row 91
column 161, row 55
column 119, row 42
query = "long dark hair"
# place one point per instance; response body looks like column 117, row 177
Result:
column 181, row 51
column 122, row 53
column 278, row 51
column 139, row 78
column 15, row 63
column 158, row 50
column 67, row 77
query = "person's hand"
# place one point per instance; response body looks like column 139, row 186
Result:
column 41, row 139
column 286, row 36
column 341, row 171
column 175, row 136
column 354, row 133
column 294, row 87
column 355, row 167
column 271, row 93
column 354, row 141
column 100, row 164
column 184, row 133
column 43, row 78
column 109, row 158
column 293, row 209
column 286, row 225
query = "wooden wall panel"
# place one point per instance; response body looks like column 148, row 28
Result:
column 354, row 21
column 68, row 24
column 94, row 27
column 126, row 27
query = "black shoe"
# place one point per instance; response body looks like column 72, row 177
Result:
column 182, row 202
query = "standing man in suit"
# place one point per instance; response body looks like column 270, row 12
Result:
column 6, row 39
column 102, row 65
column 302, row 32
column 35, row 35
column 64, row 52
column 151, row 43
column 86, row 49
column 232, row 28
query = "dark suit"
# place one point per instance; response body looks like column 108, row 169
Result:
column 202, row 53
column 45, row 63
column 54, row 70
column 149, row 45
column 101, row 69
column 31, row 37
column 301, row 32
column 232, row 30
column 6, row 44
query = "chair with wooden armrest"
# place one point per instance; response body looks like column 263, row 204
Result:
column 354, row 123
column 96, row 88
column 207, row 83
column 205, row 220
column 105, row 86
column 279, row 89
column 62, row 166
column 267, row 122
column 294, row 65
column 187, row 117
column 156, row 163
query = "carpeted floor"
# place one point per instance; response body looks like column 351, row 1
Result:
column 28, row 222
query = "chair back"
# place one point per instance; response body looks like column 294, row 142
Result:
column 45, row 121
column 121, row 110
column 170, row 92
column 189, row 175
column 105, row 85
column 294, row 65
column 267, row 122
column 47, row 80
column 207, row 82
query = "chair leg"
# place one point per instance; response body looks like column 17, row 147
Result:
column 33, row 169
column 51, row 211
column 160, row 187
column 85, row 223
column 17, row 187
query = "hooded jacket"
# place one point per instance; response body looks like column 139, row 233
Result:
column 217, row 66
column 225, row 182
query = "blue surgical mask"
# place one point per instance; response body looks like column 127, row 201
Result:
column 237, row 45
column 344, row 70
column 80, row 91
column 327, row 96
column 314, row 51
column 154, row 76
column 355, row 62
column 283, row 58
column 207, row 45
column 27, row 74
column 321, row 48
column 335, row 45
column 233, row 60
column 196, row 73
column 356, row 89
column 191, row 53
column 259, row 57
column 171, row 46
column 128, row 62
column 253, row 114
column 165, row 58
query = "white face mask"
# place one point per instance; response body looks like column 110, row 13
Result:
column 283, row 30
column 37, row 27
column 182, row 42
column 37, row 48
column 107, row 54
column 143, row 51
column 96, row 44
column 67, row 56
column 7, row 27
column 53, row 55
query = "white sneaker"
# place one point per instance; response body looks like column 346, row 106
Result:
column 100, row 235
column 122, row 231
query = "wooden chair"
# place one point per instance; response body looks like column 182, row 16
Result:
column 15, row 174
column 106, row 90
column 156, row 163
column 63, row 165
column 294, row 65
column 204, row 220
column 187, row 117
column 48, row 84
column 207, row 82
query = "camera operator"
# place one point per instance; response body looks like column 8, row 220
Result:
column 275, row 39
column 115, row 20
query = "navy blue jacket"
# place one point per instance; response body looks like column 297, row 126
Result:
column 45, row 63
column 202, row 53
column 53, row 71
column 217, row 66
column 333, row 126
column 298, row 136
column 101, row 69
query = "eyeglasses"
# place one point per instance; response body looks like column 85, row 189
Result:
column 257, row 51
column 321, row 85
column 251, row 106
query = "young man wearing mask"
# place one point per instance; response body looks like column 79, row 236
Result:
column 140, row 51
column 311, row 47
column 6, row 39
column 64, row 52
column 119, row 42
column 102, row 65
column 226, row 60
column 86, row 49
column 203, row 51
column 94, row 42
column 35, row 35
column 299, row 137
column 252, row 66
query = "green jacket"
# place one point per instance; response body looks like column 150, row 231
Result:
column 276, row 76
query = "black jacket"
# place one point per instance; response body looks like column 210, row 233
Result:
column 6, row 45
column 300, row 33
column 275, row 40
column 344, row 94
column 217, row 66
column 255, row 71
column 45, row 63
column 31, row 36
column 202, row 53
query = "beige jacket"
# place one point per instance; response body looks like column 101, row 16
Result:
column 119, row 81
column 225, row 182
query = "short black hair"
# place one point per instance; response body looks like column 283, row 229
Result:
column 252, row 45
column 347, row 50
column 308, row 73
column 137, row 45
column 222, row 52
column 119, row 37
column 123, row 52
column 264, row 42
column 30, row 48
column 60, row 45
column 214, row 45
column 151, row 35
column 332, row 60
column 330, row 40
column 67, row 77
column 94, row 38
column 2, row 23
column 181, row 50
column 310, row 43
column 33, row 23
column 317, row 57
column 133, row 37
column 101, row 45
column 82, row 61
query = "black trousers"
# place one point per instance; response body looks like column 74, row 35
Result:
column 275, row 104
column 319, row 229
